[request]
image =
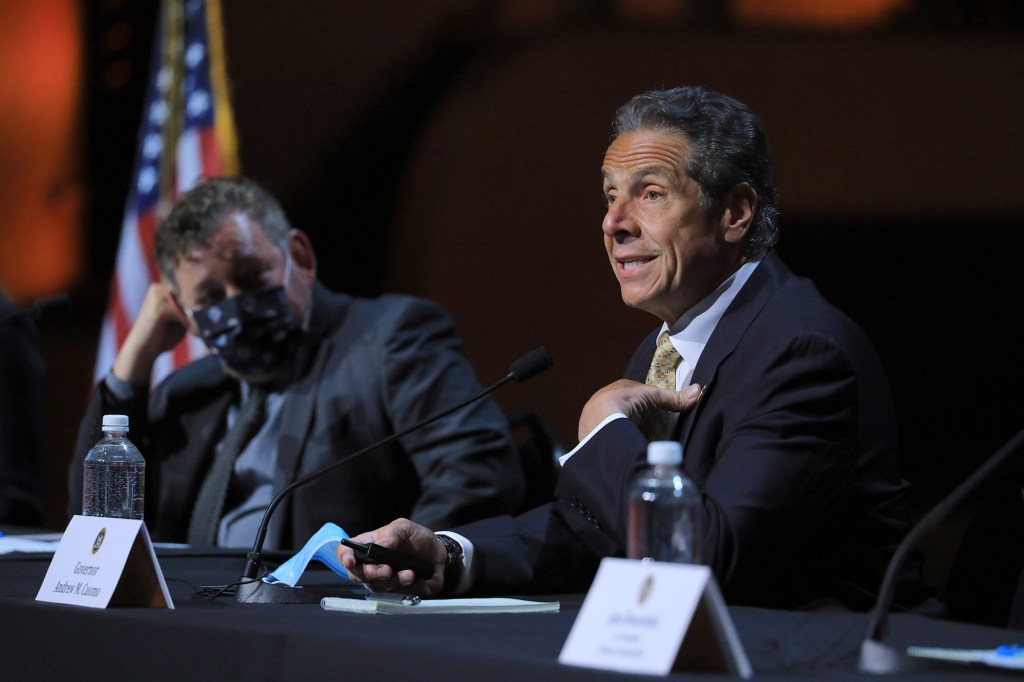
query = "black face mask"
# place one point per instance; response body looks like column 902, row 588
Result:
column 253, row 333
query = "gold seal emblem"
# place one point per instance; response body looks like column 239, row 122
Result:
column 645, row 589
column 99, row 540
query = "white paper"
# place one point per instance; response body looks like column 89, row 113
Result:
column 480, row 605
column 9, row 544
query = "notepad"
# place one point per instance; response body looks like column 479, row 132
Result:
column 480, row 605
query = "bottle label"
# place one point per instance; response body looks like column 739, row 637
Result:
column 114, row 481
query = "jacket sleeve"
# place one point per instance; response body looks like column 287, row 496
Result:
column 774, row 462
column 466, row 462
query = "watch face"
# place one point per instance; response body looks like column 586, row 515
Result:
column 453, row 563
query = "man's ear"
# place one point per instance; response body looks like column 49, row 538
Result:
column 303, row 256
column 738, row 212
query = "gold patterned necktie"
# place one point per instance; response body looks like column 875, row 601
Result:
column 662, row 373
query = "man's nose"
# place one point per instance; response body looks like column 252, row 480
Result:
column 619, row 220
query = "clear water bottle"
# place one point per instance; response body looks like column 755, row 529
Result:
column 664, row 509
column 114, row 484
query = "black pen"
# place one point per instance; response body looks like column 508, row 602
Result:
column 372, row 553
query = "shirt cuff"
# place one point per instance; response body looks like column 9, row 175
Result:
column 565, row 458
column 122, row 390
column 466, row 580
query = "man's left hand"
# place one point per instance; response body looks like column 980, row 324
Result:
column 633, row 399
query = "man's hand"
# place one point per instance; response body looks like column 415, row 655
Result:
column 158, row 328
column 404, row 536
column 633, row 399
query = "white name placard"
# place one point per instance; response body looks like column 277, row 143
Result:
column 653, row 618
column 103, row 562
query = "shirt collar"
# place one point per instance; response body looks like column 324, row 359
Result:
column 690, row 333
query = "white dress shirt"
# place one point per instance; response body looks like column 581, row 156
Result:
column 689, row 335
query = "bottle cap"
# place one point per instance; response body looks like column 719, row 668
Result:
column 115, row 422
column 665, row 452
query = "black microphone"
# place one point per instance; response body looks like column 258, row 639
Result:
column 879, row 658
column 528, row 366
column 253, row 591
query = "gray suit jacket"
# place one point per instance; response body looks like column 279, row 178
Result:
column 368, row 368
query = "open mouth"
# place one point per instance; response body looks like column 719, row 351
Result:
column 634, row 264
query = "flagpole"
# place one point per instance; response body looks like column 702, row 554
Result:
column 187, row 133
column 224, row 117
column 172, row 69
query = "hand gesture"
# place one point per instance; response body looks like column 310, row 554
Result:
column 634, row 400
column 404, row 536
column 158, row 328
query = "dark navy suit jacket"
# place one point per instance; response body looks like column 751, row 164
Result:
column 793, row 445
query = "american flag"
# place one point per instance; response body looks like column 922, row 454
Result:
column 187, row 134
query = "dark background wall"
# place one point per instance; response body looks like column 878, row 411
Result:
column 451, row 150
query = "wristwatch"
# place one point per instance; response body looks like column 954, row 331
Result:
column 454, row 563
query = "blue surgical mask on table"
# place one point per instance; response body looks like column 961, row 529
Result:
column 323, row 547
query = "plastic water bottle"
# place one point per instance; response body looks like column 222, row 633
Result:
column 664, row 509
column 114, row 484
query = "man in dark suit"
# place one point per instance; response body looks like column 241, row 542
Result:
column 330, row 373
column 778, row 399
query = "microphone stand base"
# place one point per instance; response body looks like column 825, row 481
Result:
column 259, row 592
column 881, row 659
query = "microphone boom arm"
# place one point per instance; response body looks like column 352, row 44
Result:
column 871, row 659
column 530, row 364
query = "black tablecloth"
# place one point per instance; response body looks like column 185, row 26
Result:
column 222, row 640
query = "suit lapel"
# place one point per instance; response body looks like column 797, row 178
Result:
column 641, row 360
column 188, row 443
column 762, row 285
column 300, row 403
column 296, row 419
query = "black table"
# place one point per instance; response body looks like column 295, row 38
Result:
column 222, row 640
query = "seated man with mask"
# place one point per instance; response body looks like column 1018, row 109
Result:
column 311, row 375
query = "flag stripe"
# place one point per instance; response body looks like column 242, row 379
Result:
column 187, row 99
